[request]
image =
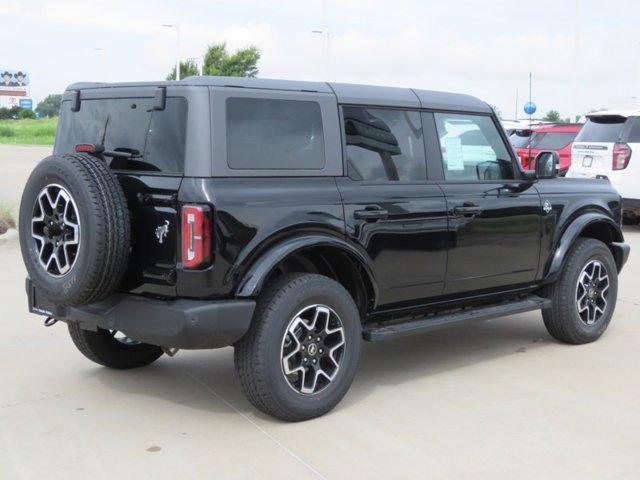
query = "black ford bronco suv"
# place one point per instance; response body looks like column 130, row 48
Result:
column 293, row 220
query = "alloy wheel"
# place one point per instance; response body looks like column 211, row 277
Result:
column 55, row 228
column 313, row 346
column 592, row 292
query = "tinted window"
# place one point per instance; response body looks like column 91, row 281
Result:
column 156, row 138
column 274, row 134
column 472, row 148
column 519, row 140
column 634, row 132
column 601, row 129
column 384, row 145
column 553, row 140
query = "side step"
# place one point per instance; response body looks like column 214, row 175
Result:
column 380, row 332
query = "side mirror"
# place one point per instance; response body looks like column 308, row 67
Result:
column 547, row 164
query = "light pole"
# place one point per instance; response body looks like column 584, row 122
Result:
column 177, row 27
column 326, row 38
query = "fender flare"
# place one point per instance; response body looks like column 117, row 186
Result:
column 571, row 233
column 252, row 281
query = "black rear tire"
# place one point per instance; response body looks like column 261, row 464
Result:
column 563, row 320
column 103, row 229
column 259, row 354
column 104, row 349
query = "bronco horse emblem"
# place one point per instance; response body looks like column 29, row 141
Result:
column 162, row 231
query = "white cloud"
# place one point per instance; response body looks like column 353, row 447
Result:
column 478, row 47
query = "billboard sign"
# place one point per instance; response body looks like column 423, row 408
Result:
column 26, row 103
column 14, row 83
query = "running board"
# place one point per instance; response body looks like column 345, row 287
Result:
column 380, row 332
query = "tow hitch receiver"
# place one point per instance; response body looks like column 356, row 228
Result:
column 50, row 321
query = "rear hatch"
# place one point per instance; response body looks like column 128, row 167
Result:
column 593, row 149
column 150, row 166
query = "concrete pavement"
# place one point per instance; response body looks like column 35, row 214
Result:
column 499, row 399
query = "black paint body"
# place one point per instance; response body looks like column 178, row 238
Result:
column 415, row 245
column 420, row 255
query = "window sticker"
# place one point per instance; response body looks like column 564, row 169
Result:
column 453, row 153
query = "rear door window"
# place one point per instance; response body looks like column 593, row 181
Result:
column 602, row 129
column 472, row 148
column 384, row 145
column 274, row 134
column 156, row 138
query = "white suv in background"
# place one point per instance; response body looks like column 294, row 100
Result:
column 605, row 146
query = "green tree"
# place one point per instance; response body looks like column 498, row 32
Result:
column 242, row 63
column 9, row 113
column 187, row 69
column 26, row 113
column 553, row 116
column 50, row 106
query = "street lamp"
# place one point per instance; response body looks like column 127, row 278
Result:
column 177, row 27
column 326, row 37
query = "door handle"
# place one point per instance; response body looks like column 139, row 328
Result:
column 371, row 213
column 467, row 210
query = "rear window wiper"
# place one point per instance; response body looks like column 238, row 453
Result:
column 120, row 152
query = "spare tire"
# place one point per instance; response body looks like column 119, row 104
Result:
column 74, row 229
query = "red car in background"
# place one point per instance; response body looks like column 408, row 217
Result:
column 553, row 137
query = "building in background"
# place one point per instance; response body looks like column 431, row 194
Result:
column 14, row 89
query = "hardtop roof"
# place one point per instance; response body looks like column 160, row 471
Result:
column 346, row 93
column 614, row 113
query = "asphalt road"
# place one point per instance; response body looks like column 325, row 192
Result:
column 499, row 399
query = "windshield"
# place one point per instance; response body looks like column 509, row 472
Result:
column 602, row 129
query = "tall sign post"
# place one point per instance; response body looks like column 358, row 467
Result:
column 530, row 108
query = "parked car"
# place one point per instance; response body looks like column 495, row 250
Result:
column 519, row 138
column 545, row 138
column 511, row 126
column 293, row 220
column 605, row 148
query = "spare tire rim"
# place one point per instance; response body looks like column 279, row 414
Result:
column 312, row 349
column 55, row 228
column 592, row 292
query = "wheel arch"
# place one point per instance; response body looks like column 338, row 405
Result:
column 589, row 225
column 317, row 253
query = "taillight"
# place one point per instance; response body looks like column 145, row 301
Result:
column 621, row 156
column 196, row 235
column 88, row 148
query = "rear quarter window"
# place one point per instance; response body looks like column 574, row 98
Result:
column 634, row 131
column 157, row 137
column 274, row 134
column 602, row 129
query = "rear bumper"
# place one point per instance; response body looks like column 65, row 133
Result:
column 181, row 323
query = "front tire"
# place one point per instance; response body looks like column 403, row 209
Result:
column 583, row 298
column 300, row 355
column 105, row 348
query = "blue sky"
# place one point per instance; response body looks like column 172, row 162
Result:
column 485, row 48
